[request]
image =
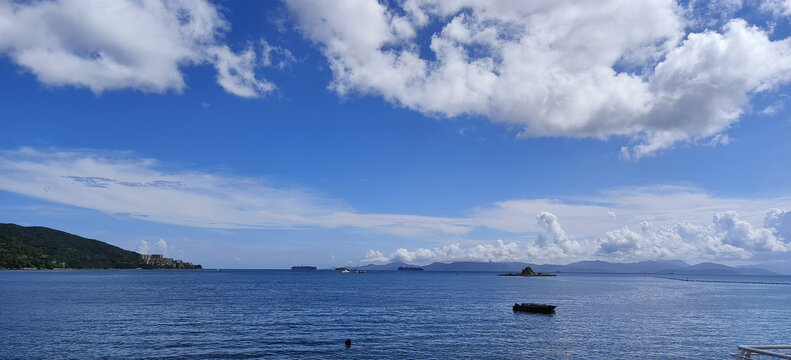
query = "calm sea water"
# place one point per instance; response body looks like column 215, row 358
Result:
column 388, row 315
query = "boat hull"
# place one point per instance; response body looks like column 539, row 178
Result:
column 535, row 308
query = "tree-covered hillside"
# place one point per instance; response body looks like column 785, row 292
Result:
column 44, row 248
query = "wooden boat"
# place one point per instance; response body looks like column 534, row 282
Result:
column 535, row 308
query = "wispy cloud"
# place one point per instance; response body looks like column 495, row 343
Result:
column 662, row 205
column 121, row 184
column 673, row 221
column 772, row 109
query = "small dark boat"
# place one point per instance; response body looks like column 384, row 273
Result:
column 535, row 308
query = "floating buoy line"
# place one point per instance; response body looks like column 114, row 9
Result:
column 730, row 281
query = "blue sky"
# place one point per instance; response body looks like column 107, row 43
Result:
column 268, row 134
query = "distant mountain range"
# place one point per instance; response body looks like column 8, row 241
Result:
column 39, row 247
column 677, row 267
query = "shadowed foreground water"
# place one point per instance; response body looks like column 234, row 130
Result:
column 396, row 315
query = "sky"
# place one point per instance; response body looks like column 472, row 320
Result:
column 266, row 134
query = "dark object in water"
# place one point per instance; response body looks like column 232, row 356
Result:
column 528, row 271
column 348, row 343
column 303, row 268
column 410, row 268
column 535, row 308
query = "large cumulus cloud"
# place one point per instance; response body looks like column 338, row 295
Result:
column 727, row 237
column 552, row 68
column 124, row 44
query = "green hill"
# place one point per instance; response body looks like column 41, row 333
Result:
column 44, row 248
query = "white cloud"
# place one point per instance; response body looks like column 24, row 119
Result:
column 772, row 109
column 163, row 247
column 275, row 56
column 561, row 68
column 674, row 221
column 406, row 225
column 680, row 241
column 739, row 233
column 777, row 7
column 236, row 72
column 123, row 185
column 123, row 44
column 703, row 85
column 554, row 244
column 726, row 238
column 622, row 241
column 780, row 222
column 660, row 206
column 703, row 14
column 484, row 251
column 143, row 248
column 706, row 242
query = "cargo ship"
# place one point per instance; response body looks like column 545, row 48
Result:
column 410, row 268
column 303, row 268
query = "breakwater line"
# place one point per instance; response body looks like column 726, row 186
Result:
column 730, row 281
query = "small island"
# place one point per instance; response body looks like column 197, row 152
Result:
column 528, row 271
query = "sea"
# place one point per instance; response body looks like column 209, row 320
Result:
column 285, row 314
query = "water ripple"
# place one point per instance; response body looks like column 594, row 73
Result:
column 391, row 315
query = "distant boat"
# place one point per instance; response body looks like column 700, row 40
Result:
column 535, row 308
column 359, row 271
column 410, row 268
column 303, row 268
